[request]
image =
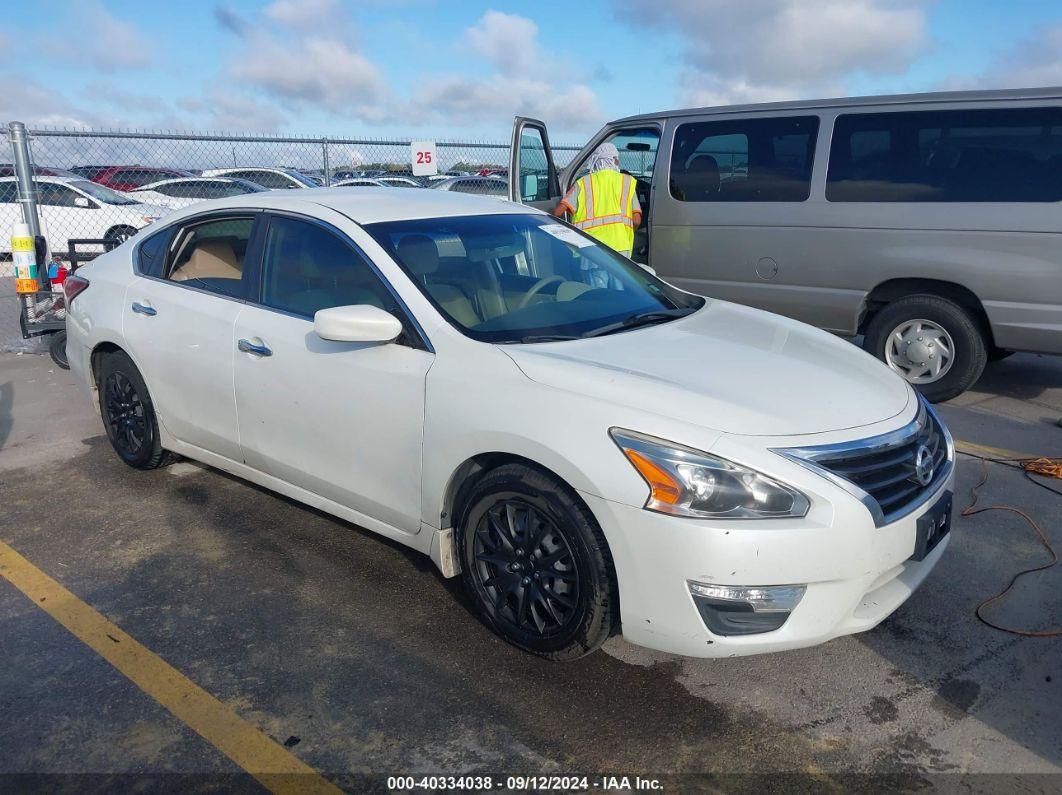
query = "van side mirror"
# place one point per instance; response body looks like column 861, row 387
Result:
column 356, row 323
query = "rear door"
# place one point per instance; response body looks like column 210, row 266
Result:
column 179, row 323
column 533, row 176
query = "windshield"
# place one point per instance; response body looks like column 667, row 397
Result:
column 526, row 278
column 299, row 177
column 101, row 193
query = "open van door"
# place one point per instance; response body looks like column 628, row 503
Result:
column 532, row 173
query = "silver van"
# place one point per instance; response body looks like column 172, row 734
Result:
column 931, row 224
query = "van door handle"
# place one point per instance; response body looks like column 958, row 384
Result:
column 249, row 347
column 144, row 309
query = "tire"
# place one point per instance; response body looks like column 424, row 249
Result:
column 57, row 349
column 128, row 413
column 560, row 601
column 969, row 350
column 120, row 234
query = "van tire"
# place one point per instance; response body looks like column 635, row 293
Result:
column 527, row 517
column 970, row 352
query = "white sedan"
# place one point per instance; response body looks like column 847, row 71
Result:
column 75, row 208
column 182, row 191
column 590, row 448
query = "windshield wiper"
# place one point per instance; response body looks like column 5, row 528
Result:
column 530, row 338
column 642, row 319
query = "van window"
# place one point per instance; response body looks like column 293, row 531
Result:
column 637, row 148
column 1012, row 155
column 744, row 160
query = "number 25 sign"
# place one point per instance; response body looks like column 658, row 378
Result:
column 422, row 158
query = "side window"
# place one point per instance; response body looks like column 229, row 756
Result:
column 54, row 195
column 990, row 155
column 637, row 152
column 170, row 189
column 210, row 255
column 743, row 160
column 151, row 257
column 306, row 267
column 8, row 192
column 535, row 173
column 268, row 179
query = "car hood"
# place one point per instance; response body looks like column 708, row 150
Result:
column 729, row 368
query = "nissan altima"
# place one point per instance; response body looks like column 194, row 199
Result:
column 591, row 449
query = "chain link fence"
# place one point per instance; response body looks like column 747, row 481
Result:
column 109, row 184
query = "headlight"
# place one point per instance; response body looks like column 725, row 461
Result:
column 687, row 482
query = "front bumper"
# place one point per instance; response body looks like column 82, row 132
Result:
column 856, row 574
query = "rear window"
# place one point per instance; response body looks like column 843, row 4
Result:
column 744, row 160
column 1009, row 155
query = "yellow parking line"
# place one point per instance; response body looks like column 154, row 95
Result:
column 269, row 762
column 990, row 452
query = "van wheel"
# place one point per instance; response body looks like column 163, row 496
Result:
column 933, row 342
column 536, row 564
column 128, row 413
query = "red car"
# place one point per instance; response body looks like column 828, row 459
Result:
column 134, row 177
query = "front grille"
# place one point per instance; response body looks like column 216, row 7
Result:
column 883, row 468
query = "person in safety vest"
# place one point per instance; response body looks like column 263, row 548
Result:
column 604, row 203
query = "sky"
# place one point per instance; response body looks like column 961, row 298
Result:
column 463, row 69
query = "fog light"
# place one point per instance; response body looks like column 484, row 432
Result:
column 745, row 609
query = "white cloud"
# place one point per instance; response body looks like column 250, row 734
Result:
column 463, row 101
column 313, row 70
column 508, row 41
column 779, row 49
column 302, row 13
column 1037, row 61
column 106, row 42
column 223, row 110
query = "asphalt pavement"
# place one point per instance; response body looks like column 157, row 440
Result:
column 358, row 659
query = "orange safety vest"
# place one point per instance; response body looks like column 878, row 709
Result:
column 604, row 208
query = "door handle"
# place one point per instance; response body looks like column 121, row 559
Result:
column 249, row 347
column 144, row 309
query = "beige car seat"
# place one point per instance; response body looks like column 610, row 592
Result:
column 420, row 254
column 212, row 259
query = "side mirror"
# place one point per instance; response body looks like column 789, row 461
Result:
column 356, row 323
column 81, row 201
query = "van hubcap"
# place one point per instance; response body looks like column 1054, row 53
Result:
column 525, row 569
column 920, row 350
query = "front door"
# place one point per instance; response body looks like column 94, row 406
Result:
column 343, row 420
column 179, row 328
column 532, row 174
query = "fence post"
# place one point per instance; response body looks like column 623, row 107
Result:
column 327, row 170
column 27, row 190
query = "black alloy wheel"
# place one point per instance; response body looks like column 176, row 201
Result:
column 128, row 413
column 536, row 563
column 525, row 569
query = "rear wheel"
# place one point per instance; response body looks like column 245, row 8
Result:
column 128, row 413
column 536, row 564
column 933, row 342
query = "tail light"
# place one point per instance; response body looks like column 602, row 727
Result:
column 73, row 286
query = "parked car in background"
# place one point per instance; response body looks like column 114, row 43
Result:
column 273, row 178
column 8, row 170
column 358, row 182
column 624, row 461
column 181, row 192
column 76, row 208
column 487, row 186
column 927, row 223
column 400, row 182
column 125, row 178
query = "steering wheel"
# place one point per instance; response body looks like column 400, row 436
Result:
column 537, row 287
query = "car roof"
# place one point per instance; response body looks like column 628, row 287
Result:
column 366, row 205
column 929, row 98
column 171, row 180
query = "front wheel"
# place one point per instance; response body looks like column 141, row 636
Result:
column 934, row 343
column 536, row 564
column 120, row 234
